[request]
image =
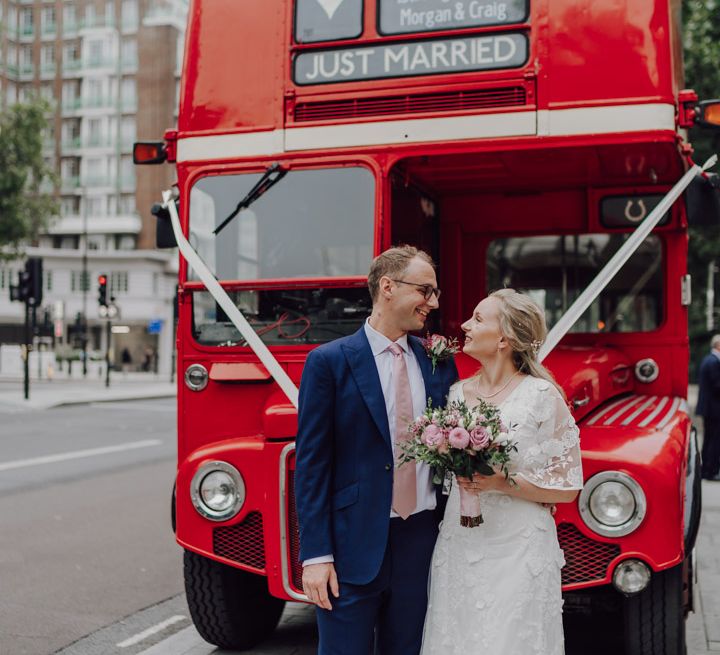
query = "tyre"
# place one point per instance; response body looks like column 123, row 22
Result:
column 655, row 618
column 230, row 608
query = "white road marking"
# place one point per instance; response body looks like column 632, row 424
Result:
column 131, row 641
column 78, row 454
column 142, row 406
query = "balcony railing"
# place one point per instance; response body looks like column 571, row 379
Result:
column 70, row 143
column 97, row 181
column 71, row 104
column 70, row 183
column 27, row 70
column 49, row 29
column 97, row 21
column 27, row 31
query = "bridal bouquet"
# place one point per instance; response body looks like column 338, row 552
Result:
column 464, row 441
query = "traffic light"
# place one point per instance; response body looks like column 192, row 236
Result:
column 29, row 288
column 102, row 290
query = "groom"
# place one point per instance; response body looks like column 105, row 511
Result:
column 367, row 527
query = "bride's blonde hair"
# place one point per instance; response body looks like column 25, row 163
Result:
column 522, row 323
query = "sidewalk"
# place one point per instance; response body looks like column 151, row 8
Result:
column 45, row 394
column 703, row 627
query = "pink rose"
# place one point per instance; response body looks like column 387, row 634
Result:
column 438, row 339
column 459, row 438
column 479, row 438
column 433, row 436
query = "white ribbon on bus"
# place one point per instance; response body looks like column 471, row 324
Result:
column 603, row 278
column 574, row 312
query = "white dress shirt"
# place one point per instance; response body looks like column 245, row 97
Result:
column 379, row 343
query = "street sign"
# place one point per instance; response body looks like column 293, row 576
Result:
column 155, row 326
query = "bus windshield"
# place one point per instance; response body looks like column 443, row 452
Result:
column 555, row 270
column 312, row 224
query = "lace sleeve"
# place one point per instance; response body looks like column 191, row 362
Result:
column 554, row 462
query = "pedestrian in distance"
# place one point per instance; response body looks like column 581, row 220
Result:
column 367, row 527
column 125, row 359
column 708, row 407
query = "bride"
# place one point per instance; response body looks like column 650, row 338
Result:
column 495, row 588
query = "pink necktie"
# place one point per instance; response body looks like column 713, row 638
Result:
column 404, row 489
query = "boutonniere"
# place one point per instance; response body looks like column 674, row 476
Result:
column 439, row 348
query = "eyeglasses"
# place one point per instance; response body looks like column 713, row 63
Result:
column 427, row 289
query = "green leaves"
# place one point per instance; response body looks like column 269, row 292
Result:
column 24, row 207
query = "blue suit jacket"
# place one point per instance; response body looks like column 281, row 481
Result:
column 344, row 460
column 708, row 405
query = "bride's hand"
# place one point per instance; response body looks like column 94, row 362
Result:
column 482, row 482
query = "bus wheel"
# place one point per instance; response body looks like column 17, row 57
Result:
column 655, row 618
column 230, row 608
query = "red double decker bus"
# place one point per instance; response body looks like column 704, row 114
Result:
column 521, row 143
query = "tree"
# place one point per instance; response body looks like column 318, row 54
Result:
column 24, row 207
column 701, row 40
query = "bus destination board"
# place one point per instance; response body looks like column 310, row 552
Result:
column 429, row 57
column 403, row 16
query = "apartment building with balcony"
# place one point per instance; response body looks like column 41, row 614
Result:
column 110, row 70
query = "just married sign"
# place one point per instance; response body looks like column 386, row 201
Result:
column 426, row 57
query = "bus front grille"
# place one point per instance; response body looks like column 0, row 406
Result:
column 242, row 543
column 586, row 560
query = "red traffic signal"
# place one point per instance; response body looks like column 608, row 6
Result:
column 102, row 290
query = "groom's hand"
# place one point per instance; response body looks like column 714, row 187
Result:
column 315, row 580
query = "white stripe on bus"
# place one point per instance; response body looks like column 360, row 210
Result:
column 627, row 420
column 671, row 412
column 556, row 122
column 623, row 409
column 654, row 413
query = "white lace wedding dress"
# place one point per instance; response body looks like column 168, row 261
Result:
column 495, row 588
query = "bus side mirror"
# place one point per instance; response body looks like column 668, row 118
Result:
column 164, row 235
column 703, row 201
column 708, row 114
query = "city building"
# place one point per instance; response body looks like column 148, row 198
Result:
column 111, row 71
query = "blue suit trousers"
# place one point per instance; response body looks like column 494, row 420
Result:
column 387, row 614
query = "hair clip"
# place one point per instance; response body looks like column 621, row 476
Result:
column 535, row 345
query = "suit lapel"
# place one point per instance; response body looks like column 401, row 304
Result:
column 364, row 371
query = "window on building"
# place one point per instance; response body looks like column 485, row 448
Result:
column 26, row 57
column 47, row 91
column 127, row 129
column 48, row 275
column 48, row 20
column 26, row 20
column 95, row 52
column 129, row 13
column 94, row 131
column 118, row 282
column 69, row 17
column 79, row 281
column 96, row 205
column 129, row 93
column 71, row 53
column 110, row 12
column 129, row 52
column 95, row 242
column 94, row 91
column 47, row 58
column 24, row 93
column 127, row 204
column 70, row 205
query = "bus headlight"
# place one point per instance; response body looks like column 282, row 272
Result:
column 631, row 576
column 612, row 504
column 217, row 491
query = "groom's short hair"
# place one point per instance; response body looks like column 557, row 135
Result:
column 392, row 263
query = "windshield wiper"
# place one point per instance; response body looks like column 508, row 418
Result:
column 272, row 175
